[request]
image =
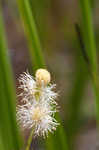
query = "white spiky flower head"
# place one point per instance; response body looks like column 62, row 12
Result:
column 40, row 106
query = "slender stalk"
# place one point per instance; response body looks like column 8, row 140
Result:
column 32, row 35
column 90, row 48
column 8, row 96
column 29, row 140
column 1, row 143
column 88, row 33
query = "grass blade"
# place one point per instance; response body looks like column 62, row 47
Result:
column 8, row 125
column 32, row 36
column 90, row 47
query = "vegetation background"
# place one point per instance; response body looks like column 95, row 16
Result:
column 50, row 24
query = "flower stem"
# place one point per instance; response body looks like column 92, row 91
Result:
column 90, row 46
column 8, row 125
column 32, row 34
column 29, row 140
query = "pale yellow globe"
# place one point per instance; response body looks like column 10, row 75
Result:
column 42, row 77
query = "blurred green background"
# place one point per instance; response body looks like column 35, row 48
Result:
column 55, row 22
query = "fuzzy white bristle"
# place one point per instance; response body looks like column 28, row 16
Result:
column 39, row 108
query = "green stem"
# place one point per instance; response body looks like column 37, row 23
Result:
column 88, row 33
column 8, row 96
column 96, row 91
column 30, row 140
column 32, row 35
column 90, row 48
